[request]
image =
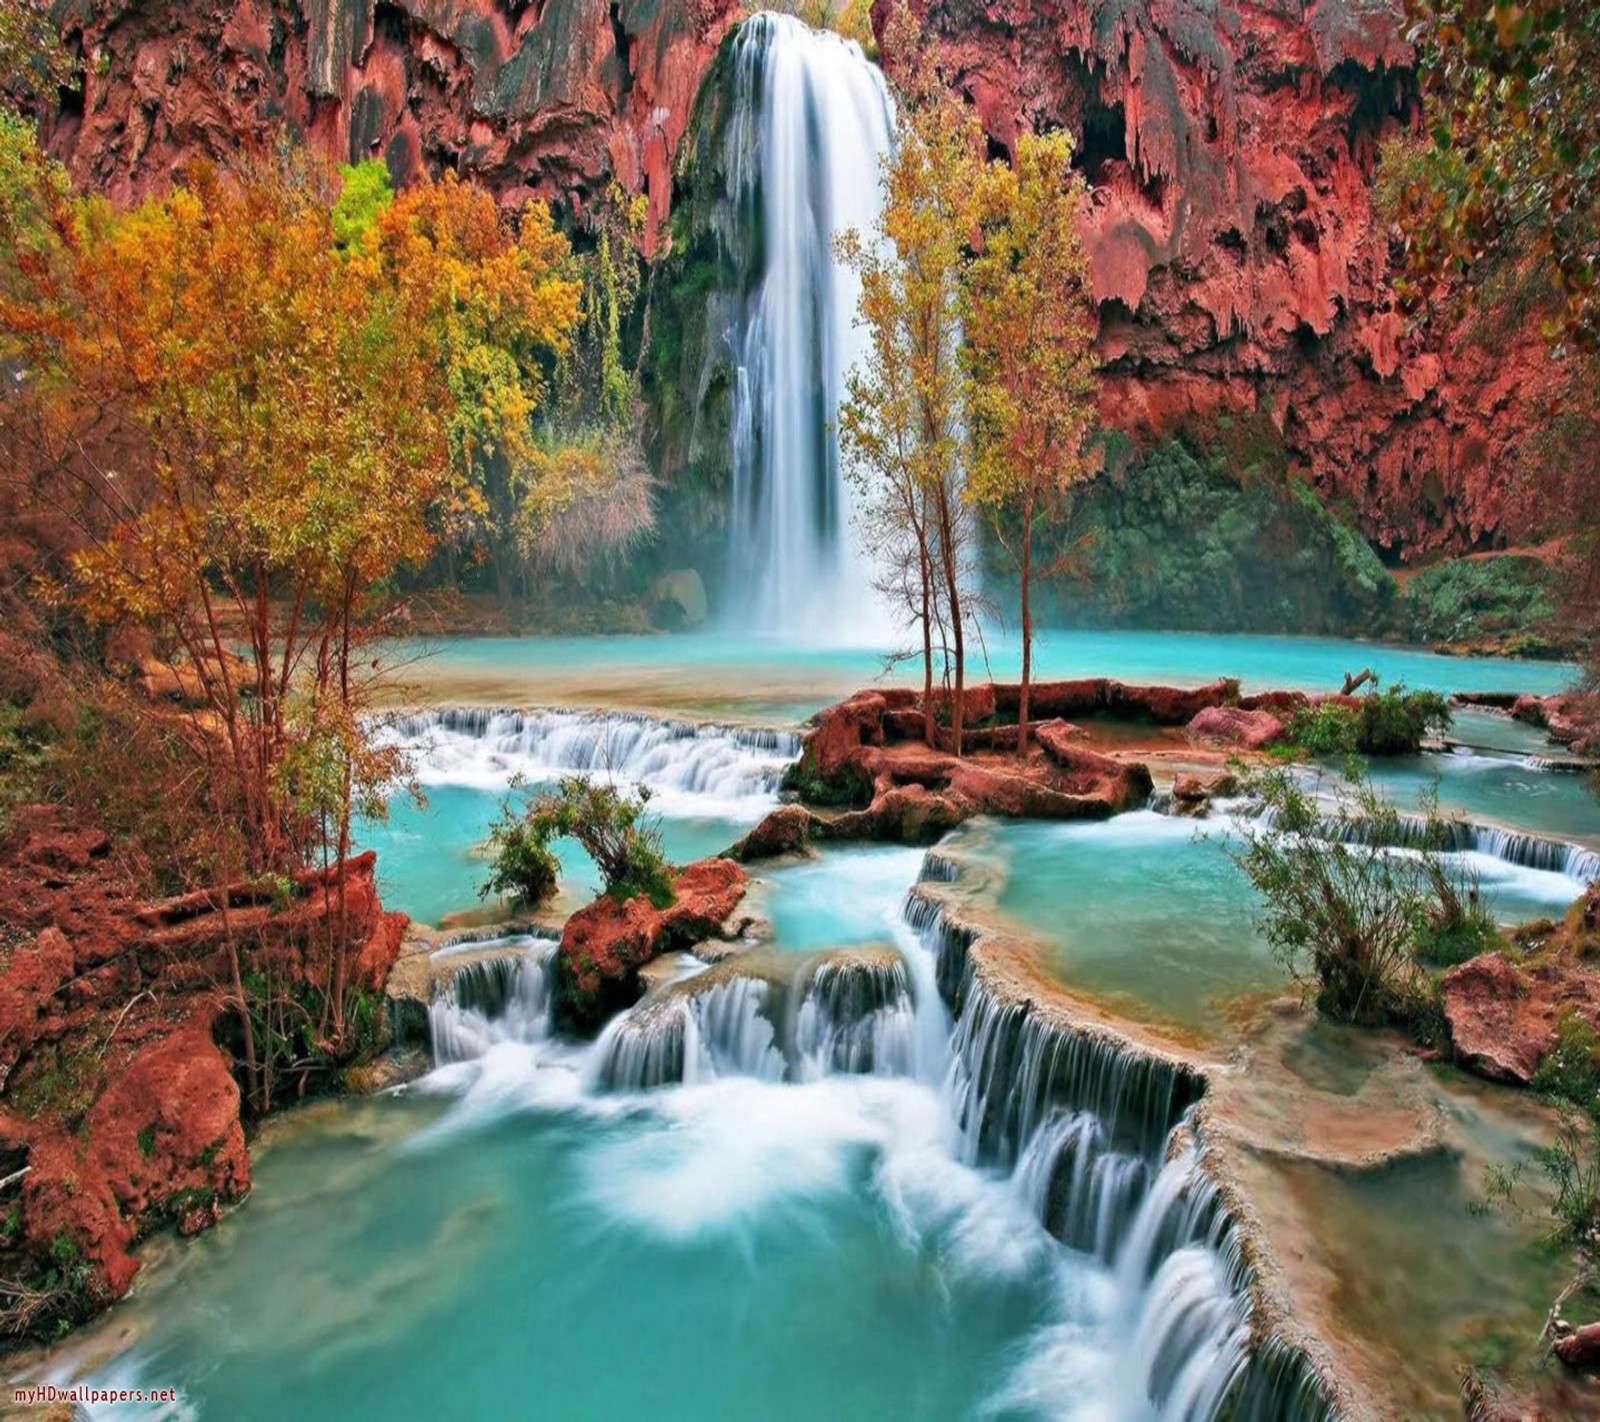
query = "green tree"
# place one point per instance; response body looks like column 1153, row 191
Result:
column 608, row 822
column 1029, row 321
column 1345, row 911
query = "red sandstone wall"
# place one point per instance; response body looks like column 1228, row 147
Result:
column 1230, row 144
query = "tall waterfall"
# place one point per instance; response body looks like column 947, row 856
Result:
column 811, row 121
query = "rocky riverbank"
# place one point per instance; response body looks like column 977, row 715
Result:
column 120, row 1111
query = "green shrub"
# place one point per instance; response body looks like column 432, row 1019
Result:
column 521, row 863
column 1571, row 1070
column 1392, row 721
column 1342, row 910
column 1395, row 721
column 607, row 822
column 1325, row 729
column 850, row 788
column 1471, row 599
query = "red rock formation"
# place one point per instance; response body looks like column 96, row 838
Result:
column 1230, row 146
column 869, row 751
column 1230, row 149
column 604, row 945
column 114, row 1098
column 1503, row 1017
column 1234, row 728
column 549, row 100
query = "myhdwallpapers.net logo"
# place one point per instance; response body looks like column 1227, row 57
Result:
column 49, row 1395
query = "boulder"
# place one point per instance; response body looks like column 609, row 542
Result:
column 605, row 944
column 1501, row 1026
column 1234, row 728
column 786, row 830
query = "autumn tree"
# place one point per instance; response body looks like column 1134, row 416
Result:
column 1029, row 322
column 901, row 423
column 499, row 301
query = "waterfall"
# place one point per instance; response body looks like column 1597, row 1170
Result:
column 811, row 121
column 856, row 1017
column 1094, row 1132
column 1411, row 831
column 698, row 769
column 488, row 1000
column 696, row 1034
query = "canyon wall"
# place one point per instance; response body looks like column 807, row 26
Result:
column 1231, row 149
column 554, row 99
column 1230, row 146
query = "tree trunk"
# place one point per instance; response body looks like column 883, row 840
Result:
column 929, row 730
column 952, row 581
column 1027, row 630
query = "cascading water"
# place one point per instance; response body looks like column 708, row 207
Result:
column 504, row 997
column 695, row 769
column 811, row 121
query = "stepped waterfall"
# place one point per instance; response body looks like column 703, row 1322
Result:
column 811, row 121
column 1087, row 1134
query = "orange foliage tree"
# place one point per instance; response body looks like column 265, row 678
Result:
column 1029, row 320
column 295, row 419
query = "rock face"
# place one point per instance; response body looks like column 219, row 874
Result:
column 1230, row 148
column 1504, row 1018
column 549, row 100
column 605, row 944
column 1231, row 151
column 115, row 1100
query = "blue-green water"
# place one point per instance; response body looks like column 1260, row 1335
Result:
column 1149, row 913
column 846, row 896
column 782, row 681
column 744, row 1250
column 431, row 862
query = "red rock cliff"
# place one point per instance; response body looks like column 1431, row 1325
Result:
column 1231, row 147
column 556, row 98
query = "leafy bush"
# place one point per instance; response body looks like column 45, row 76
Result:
column 1213, row 535
column 1571, row 1070
column 606, row 821
column 1326, row 729
column 1471, row 599
column 521, row 863
column 1395, row 721
column 1344, row 909
column 1388, row 722
column 850, row 788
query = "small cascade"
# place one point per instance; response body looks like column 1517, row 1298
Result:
column 710, row 1030
column 711, row 765
column 1526, row 851
column 1553, row 856
column 489, row 1000
column 1012, row 1069
column 856, row 1017
column 811, row 121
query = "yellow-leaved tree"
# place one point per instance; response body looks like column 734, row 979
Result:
column 281, row 415
column 901, row 423
column 1029, row 321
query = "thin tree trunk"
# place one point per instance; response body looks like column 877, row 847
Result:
column 929, row 730
column 1027, row 629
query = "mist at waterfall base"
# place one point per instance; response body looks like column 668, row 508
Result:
column 508, row 1237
